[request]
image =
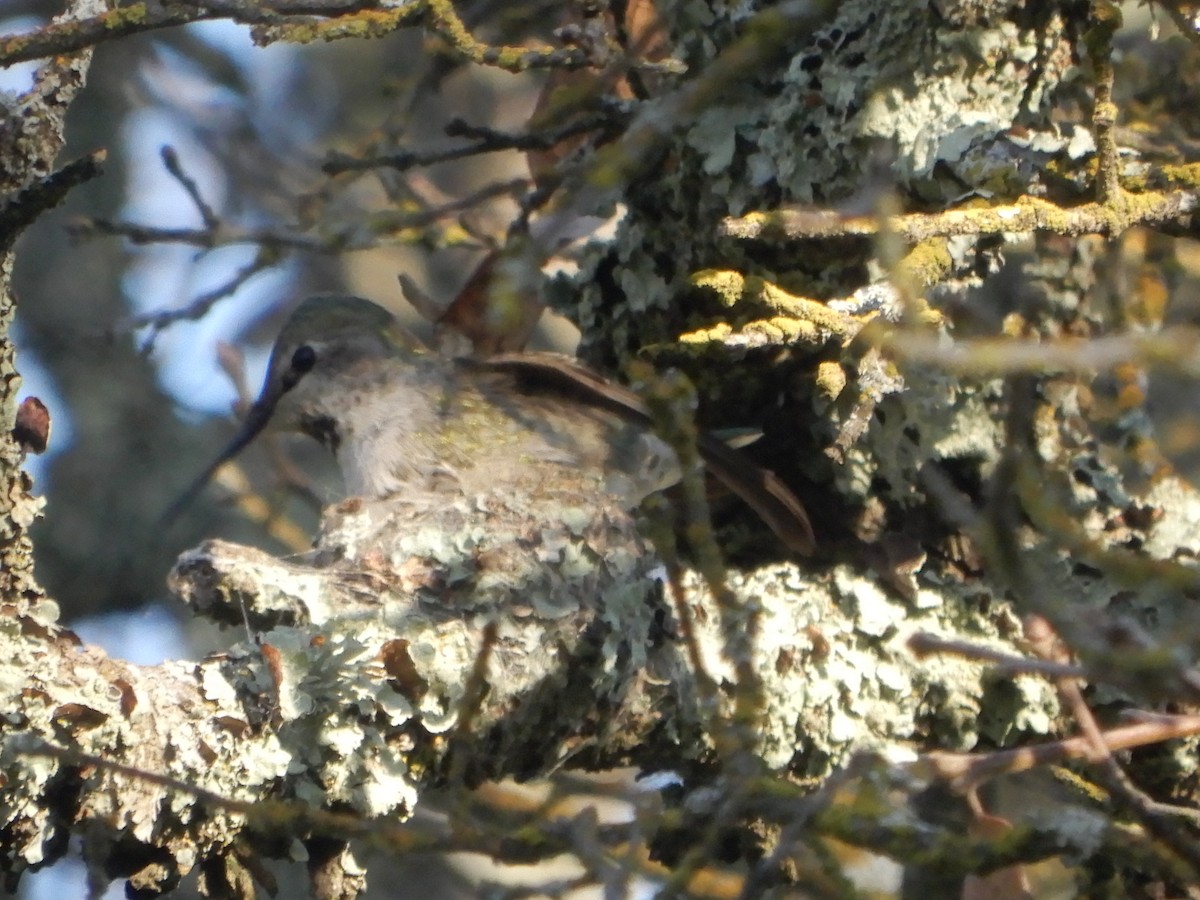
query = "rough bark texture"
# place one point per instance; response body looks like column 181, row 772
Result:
column 508, row 635
column 424, row 638
column 367, row 698
column 31, row 136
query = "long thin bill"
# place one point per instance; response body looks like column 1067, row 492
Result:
column 256, row 419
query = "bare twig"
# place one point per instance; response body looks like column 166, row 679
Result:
column 966, row 770
column 223, row 235
column 671, row 400
column 486, row 141
column 660, row 522
column 539, row 842
column 474, row 691
column 1159, row 818
column 199, row 307
column 171, row 160
column 924, row 644
column 275, row 239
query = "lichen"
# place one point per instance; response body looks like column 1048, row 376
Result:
column 839, row 679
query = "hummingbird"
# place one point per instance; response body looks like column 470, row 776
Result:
column 401, row 417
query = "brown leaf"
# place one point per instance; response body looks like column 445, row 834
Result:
column 32, row 428
column 493, row 316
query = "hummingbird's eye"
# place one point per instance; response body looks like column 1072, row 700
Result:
column 303, row 360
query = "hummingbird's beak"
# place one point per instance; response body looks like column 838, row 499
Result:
column 256, row 420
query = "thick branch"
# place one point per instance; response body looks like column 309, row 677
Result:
column 1027, row 214
column 435, row 637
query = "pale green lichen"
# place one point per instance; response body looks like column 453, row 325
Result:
column 812, row 139
column 838, row 677
column 937, row 417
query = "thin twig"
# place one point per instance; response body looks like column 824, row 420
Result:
column 924, row 644
column 475, row 690
column 273, row 239
column 222, row 236
column 161, row 319
column 965, row 770
column 171, row 160
column 1159, row 819
column 486, row 141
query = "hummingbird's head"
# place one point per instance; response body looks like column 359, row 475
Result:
column 326, row 336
